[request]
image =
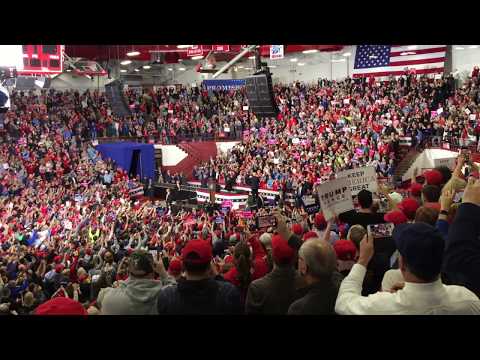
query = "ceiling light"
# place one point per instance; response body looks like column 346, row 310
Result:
column 137, row 70
column 412, row 47
column 126, row 62
column 182, row 69
column 347, row 54
column 311, row 51
column 133, row 53
column 300, row 64
column 198, row 57
column 184, row 46
column 473, row 46
column 294, row 60
column 459, row 48
column 146, row 67
column 251, row 57
column 170, row 69
column 123, row 71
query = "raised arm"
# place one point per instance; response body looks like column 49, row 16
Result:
column 462, row 253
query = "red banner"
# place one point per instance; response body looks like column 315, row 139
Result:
column 195, row 50
column 221, row 48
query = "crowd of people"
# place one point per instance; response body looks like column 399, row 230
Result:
column 73, row 240
column 328, row 127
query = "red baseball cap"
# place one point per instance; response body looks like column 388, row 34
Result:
column 416, row 189
column 433, row 177
column 320, row 220
column 61, row 306
column 175, row 266
column 197, row 252
column 59, row 268
column 281, row 251
column 345, row 250
column 310, row 235
column 409, row 206
column 57, row 259
column 397, row 217
column 297, row 229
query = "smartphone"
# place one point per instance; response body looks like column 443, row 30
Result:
column 458, row 197
column 466, row 154
column 266, row 221
column 381, row 230
column 394, row 260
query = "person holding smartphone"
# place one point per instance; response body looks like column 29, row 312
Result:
column 138, row 294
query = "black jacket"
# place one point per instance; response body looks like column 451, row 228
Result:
column 461, row 263
column 274, row 293
column 201, row 297
column 319, row 298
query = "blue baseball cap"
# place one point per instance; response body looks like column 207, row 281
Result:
column 422, row 247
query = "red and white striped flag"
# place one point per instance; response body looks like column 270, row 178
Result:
column 386, row 60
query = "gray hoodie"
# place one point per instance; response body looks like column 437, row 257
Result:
column 132, row 297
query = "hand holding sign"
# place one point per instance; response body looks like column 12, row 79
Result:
column 335, row 197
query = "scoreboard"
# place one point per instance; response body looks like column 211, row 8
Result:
column 32, row 59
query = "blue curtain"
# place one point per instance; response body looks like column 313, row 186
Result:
column 122, row 153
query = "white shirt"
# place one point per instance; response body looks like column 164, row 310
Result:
column 390, row 278
column 414, row 299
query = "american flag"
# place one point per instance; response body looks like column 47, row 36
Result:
column 386, row 60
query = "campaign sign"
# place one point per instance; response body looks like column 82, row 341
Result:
column 448, row 162
column 227, row 203
column 364, row 178
column 219, row 220
column 247, row 214
column 335, row 197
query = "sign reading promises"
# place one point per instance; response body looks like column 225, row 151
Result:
column 335, row 197
column 364, row 178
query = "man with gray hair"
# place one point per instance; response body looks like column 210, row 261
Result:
column 317, row 264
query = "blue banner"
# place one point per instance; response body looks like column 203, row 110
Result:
column 228, row 84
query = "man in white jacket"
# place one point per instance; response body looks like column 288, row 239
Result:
column 421, row 248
